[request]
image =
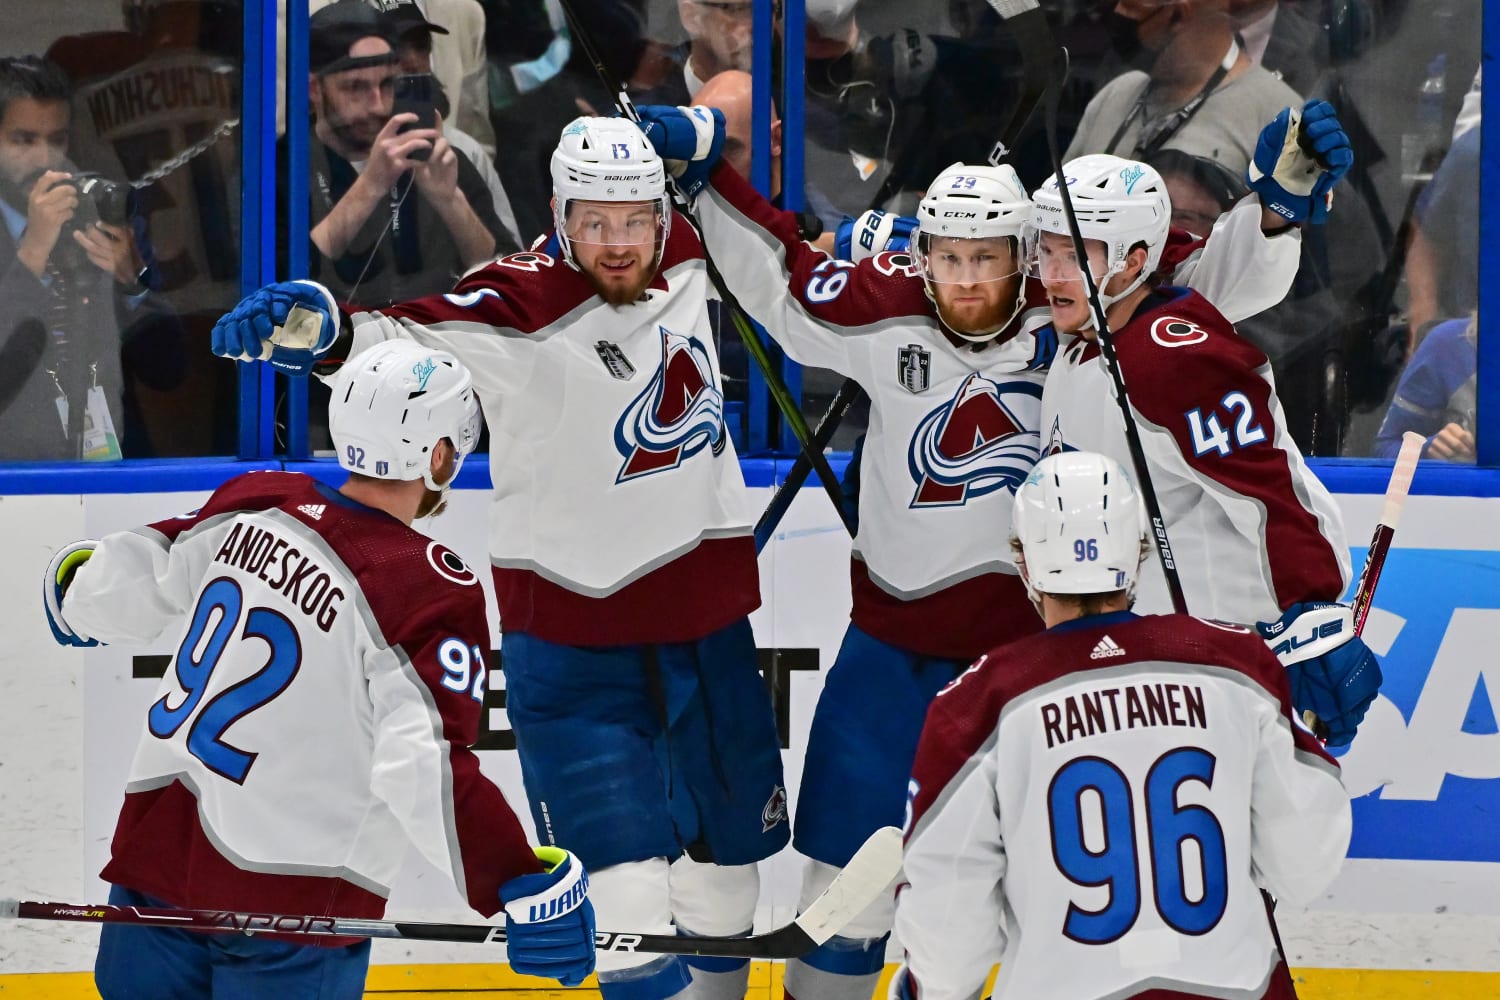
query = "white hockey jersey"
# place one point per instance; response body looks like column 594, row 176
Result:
column 619, row 514
column 1252, row 529
column 953, row 429
column 1095, row 807
column 315, row 717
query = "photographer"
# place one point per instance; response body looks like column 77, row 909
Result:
column 397, row 212
column 70, row 269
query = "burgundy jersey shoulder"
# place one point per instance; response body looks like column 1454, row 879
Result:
column 1176, row 249
column 1177, row 335
column 249, row 491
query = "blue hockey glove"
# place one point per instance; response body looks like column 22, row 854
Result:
column 1299, row 158
column 1332, row 672
column 689, row 140
column 55, row 583
column 872, row 233
column 290, row 324
column 549, row 921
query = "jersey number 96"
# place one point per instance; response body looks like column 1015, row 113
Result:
column 1090, row 806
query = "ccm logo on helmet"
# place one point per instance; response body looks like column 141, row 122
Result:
column 1169, row 331
column 960, row 215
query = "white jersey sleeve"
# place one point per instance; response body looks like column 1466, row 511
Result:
column 1240, row 269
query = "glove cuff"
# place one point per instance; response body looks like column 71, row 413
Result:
column 533, row 899
column 1308, row 631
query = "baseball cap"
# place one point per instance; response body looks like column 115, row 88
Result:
column 406, row 15
column 335, row 28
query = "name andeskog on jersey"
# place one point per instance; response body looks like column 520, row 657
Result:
column 258, row 551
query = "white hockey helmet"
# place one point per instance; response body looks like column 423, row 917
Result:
column 606, row 159
column 1121, row 203
column 972, row 202
column 390, row 406
column 1079, row 523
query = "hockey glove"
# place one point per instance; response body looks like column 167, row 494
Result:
column 689, row 140
column 549, row 921
column 1299, row 158
column 290, row 324
column 872, row 233
column 55, row 583
column 1332, row 672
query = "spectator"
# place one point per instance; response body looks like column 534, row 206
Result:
column 414, row 214
column 415, row 49
column 1204, row 95
column 191, row 212
column 71, row 272
column 1438, row 394
column 1283, row 40
column 1442, row 271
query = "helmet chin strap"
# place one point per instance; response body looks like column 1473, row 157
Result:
column 1106, row 300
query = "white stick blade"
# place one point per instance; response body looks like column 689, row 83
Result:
column 868, row 874
column 1402, row 472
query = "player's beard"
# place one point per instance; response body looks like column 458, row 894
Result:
column 622, row 292
column 435, row 502
column 356, row 135
column 972, row 316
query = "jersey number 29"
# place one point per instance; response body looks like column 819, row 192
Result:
column 216, row 620
column 1090, row 805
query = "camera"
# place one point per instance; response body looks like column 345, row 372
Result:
column 99, row 200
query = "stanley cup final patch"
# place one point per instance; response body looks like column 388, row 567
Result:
column 913, row 368
column 615, row 361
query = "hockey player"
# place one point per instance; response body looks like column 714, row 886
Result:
column 942, row 341
column 1255, row 536
column 1093, row 807
column 621, row 548
column 315, row 718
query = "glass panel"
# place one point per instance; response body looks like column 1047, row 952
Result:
column 1373, row 284
column 119, row 189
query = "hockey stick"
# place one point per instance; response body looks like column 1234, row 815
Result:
column 867, row 875
column 1402, row 472
column 1107, row 349
column 790, row 411
column 1026, row 22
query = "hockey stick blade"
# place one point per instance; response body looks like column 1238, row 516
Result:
column 868, row 873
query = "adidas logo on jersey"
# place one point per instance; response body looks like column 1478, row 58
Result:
column 313, row 510
column 1105, row 649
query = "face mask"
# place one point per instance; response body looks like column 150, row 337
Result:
column 1126, row 41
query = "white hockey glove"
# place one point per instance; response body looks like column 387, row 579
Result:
column 55, row 583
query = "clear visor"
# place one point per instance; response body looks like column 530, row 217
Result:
column 1051, row 256
column 948, row 260
column 640, row 225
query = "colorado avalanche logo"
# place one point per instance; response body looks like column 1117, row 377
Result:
column 677, row 415
column 976, row 443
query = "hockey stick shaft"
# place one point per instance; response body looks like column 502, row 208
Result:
column 1025, row 29
column 1396, row 492
column 1107, row 349
column 790, row 411
column 868, row 874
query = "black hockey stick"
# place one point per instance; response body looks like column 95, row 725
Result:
column 790, row 411
column 868, row 874
column 1107, row 348
column 1028, row 25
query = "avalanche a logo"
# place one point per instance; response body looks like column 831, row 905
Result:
column 976, row 443
column 677, row 415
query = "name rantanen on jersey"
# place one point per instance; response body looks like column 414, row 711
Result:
column 1133, row 706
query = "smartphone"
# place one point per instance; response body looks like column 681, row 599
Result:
column 414, row 94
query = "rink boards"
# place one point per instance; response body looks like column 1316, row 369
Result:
column 1415, row 912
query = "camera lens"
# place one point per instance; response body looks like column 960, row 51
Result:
column 108, row 197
